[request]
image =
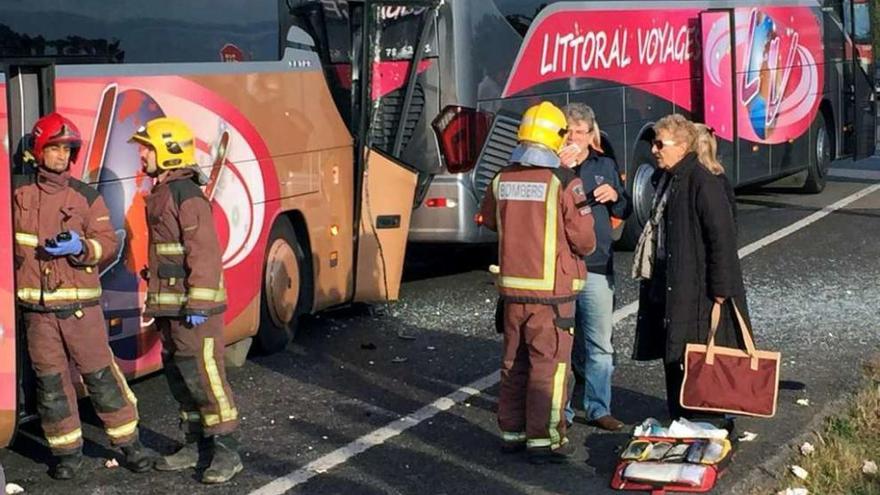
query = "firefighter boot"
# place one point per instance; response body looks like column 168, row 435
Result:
column 544, row 455
column 225, row 463
column 137, row 459
column 67, row 467
column 186, row 456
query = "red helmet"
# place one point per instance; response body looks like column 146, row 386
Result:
column 53, row 129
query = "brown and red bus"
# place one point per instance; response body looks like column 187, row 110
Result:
column 310, row 214
column 786, row 84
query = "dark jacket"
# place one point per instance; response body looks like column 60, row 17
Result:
column 185, row 267
column 701, row 263
column 594, row 171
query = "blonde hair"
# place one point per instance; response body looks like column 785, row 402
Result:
column 682, row 129
column 580, row 112
column 707, row 149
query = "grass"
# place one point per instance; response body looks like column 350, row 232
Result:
column 847, row 441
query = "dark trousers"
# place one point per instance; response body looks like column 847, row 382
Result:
column 196, row 374
column 674, row 378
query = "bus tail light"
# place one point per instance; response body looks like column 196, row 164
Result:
column 462, row 132
column 441, row 203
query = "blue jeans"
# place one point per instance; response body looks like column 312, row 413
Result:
column 593, row 355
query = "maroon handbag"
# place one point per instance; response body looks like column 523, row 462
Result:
column 728, row 380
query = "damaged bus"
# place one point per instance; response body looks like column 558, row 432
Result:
column 310, row 213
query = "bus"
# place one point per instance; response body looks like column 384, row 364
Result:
column 787, row 86
column 310, row 213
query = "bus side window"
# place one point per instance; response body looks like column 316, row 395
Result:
column 327, row 22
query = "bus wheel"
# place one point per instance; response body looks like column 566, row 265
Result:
column 820, row 161
column 281, row 288
column 641, row 191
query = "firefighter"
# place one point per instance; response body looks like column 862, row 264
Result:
column 62, row 235
column 186, row 296
column 545, row 228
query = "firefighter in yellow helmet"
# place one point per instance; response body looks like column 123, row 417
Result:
column 186, row 296
column 545, row 228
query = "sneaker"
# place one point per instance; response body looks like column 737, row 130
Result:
column 607, row 423
column 544, row 455
column 67, row 466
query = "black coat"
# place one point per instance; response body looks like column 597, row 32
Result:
column 701, row 264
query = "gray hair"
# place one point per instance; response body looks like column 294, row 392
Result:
column 581, row 112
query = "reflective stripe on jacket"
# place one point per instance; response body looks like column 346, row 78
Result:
column 185, row 268
column 44, row 205
column 545, row 227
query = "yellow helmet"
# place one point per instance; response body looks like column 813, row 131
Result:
column 544, row 124
column 172, row 140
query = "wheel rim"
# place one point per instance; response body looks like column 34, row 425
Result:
column 823, row 152
column 281, row 284
column 643, row 192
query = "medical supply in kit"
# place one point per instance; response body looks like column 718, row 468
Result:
column 686, row 456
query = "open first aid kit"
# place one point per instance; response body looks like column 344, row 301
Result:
column 686, row 457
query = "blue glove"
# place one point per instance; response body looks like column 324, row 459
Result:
column 74, row 246
column 195, row 320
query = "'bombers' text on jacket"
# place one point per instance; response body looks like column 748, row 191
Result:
column 545, row 228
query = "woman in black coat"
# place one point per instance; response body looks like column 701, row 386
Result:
column 693, row 261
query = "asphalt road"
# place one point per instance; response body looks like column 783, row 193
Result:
column 355, row 379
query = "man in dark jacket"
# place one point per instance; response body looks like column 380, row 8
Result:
column 186, row 296
column 62, row 236
column 593, row 354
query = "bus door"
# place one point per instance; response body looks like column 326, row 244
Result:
column 861, row 88
column 26, row 94
column 717, row 30
column 385, row 184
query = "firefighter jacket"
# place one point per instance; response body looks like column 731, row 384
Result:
column 45, row 204
column 185, row 275
column 545, row 228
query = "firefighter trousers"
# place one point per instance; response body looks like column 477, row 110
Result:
column 56, row 339
column 196, row 374
column 535, row 371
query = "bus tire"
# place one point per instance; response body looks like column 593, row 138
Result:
column 282, row 288
column 820, row 158
column 641, row 193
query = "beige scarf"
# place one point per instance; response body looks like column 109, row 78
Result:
column 646, row 249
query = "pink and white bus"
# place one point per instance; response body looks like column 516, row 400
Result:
column 781, row 82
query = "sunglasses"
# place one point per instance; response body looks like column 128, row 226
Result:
column 660, row 143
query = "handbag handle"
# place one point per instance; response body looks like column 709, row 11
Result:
column 743, row 328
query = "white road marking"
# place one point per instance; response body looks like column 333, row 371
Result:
column 395, row 428
column 376, row 437
column 852, row 173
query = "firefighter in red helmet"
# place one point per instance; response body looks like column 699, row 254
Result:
column 63, row 235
